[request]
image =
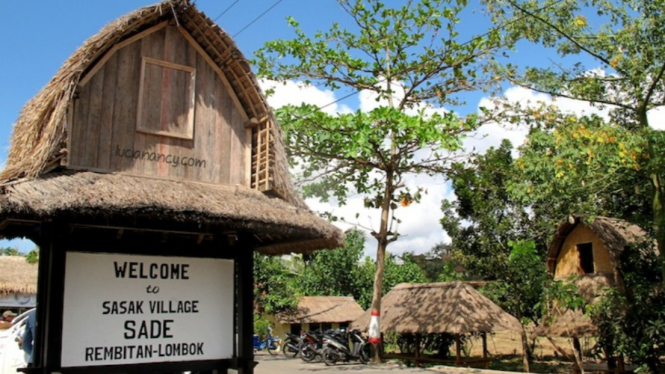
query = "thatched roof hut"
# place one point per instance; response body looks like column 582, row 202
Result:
column 589, row 250
column 67, row 158
column 450, row 307
column 17, row 276
column 609, row 237
column 323, row 309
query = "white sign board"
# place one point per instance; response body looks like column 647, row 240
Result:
column 128, row 309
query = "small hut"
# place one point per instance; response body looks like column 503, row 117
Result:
column 150, row 168
column 584, row 246
column 447, row 307
column 18, row 283
column 590, row 250
column 318, row 313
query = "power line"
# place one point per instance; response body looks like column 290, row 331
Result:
column 467, row 42
column 257, row 18
column 226, row 10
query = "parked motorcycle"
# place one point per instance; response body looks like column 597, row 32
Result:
column 311, row 345
column 336, row 348
column 292, row 344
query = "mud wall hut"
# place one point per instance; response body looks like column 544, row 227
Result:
column 317, row 313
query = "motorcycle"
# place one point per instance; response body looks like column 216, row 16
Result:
column 336, row 348
column 293, row 344
column 270, row 343
column 311, row 345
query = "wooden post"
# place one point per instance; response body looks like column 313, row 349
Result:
column 417, row 349
column 458, row 350
column 245, row 292
column 577, row 352
column 486, row 363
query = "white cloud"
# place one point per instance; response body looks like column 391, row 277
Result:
column 656, row 118
column 23, row 245
column 297, row 93
column 491, row 134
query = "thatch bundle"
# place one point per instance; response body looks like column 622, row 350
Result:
column 35, row 184
column 17, row 276
column 447, row 307
column 323, row 309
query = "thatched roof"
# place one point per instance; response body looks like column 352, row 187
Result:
column 90, row 196
column 452, row 307
column 615, row 233
column 323, row 309
column 569, row 323
column 17, row 275
column 30, row 188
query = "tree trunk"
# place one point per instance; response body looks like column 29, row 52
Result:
column 525, row 351
column 658, row 215
column 382, row 239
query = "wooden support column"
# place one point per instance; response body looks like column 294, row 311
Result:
column 458, row 350
column 245, row 293
column 417, row 349
column 484, row 335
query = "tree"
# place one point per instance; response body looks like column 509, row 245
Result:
column 520, row 287
column 340, row 272
column 583, row 165
column 9, row 251
column 485, row 216
column 413, row 49
column 626, row 73
column 274, row 285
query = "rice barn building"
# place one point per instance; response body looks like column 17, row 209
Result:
column 148, row 171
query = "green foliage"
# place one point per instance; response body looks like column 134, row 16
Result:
column 31, row 257
column 414, row 47
column 485, row 216
column 633, row 322
column 274, row 285
column 9, row 251
column 340, row 272
column 519, row 288
column 584, row 166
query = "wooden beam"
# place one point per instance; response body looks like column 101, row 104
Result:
column 218, row 70
column 113, row 49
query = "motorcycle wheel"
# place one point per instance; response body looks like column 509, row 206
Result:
column 273, row 348
column 328, row 357
column 308, row 353
column 290, row 348
column 365, row 353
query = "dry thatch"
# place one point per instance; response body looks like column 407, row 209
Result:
column 17, row 276
column 323, row 309
column 574, row 323
column 39, row 143
column 92, row 195
column 615, row 233
column 452, row 307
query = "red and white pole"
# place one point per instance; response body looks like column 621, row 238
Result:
column 374, row 328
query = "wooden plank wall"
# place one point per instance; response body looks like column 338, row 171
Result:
column 104, row 136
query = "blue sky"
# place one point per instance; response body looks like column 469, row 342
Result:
column 39, row 35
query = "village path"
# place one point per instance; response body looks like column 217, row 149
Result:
column 281, row 365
